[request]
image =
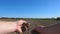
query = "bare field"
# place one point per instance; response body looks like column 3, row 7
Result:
column 34, row 23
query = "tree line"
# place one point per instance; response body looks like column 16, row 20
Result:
column 58, row 18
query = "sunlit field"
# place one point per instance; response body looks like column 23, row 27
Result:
column 34, row 23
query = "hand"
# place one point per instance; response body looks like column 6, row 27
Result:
column 22, row 26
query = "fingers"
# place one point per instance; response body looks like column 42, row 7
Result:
column 23, row 23
column 18, row 30
column 22, row 26
column 20, row 22
column 25, row 26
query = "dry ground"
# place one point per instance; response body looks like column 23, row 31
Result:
column 34, row 23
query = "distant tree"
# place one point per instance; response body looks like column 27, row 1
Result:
column 4, row 17
column 58, row 18
column 53, row 18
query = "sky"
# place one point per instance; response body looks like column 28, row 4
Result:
column 30, row 8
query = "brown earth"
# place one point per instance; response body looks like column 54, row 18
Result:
column 34, row 23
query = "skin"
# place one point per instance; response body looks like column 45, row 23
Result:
column 8, row 27
column 19, row 25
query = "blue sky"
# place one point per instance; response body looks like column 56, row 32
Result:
column 30, row 8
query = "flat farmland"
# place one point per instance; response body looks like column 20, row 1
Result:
column 34, row 23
